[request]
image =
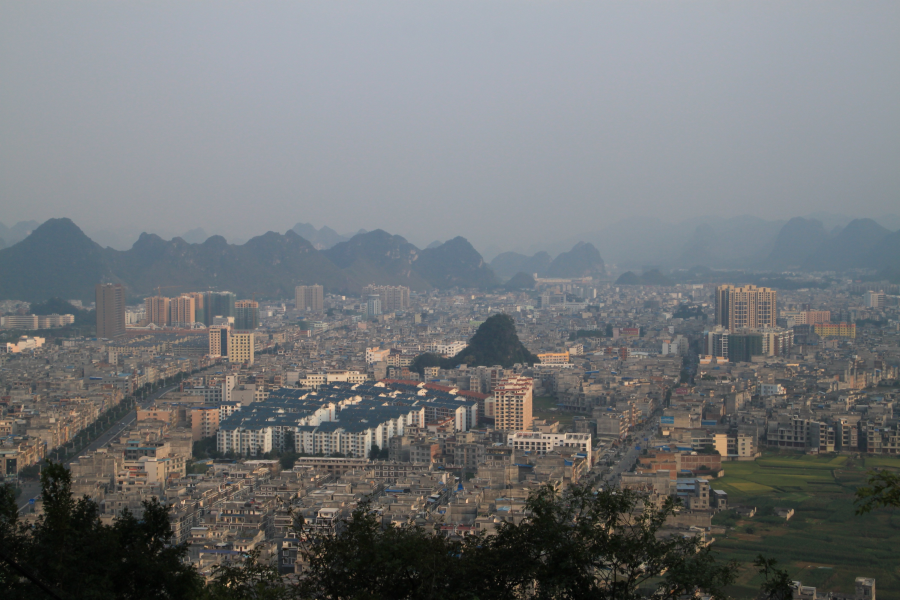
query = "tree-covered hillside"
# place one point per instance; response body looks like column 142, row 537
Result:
column 495, row 343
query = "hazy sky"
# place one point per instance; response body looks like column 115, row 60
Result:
column 500, row 121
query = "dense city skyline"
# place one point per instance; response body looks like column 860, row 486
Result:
column 417, row 300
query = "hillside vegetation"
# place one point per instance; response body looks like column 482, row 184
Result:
column 494, row 343
column 59, row 260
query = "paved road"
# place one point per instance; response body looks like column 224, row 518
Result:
column 624, row 465
column 123, row 423
column 32, row 489
column 630, row 454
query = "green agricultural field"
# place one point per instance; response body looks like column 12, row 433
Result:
column 825, row 544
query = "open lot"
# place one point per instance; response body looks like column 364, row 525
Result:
column 544, row 407
column 825, row 544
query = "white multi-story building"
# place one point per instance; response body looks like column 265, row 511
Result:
column 211, row 395
column 374, row 355
column 342, row 417
column 679, row 345
column 542, row 443
column 393, row 298
column 314, row 380
column 449, row 349
column 243, row 441
column 771, row 389
column 875, row 299
column 228, row 385
column 36, row 321
column 24, row 343
column 316, row 424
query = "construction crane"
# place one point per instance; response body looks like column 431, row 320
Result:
column 164, row 287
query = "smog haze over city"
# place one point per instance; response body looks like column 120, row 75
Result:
column 470, row 300
column 498, row 121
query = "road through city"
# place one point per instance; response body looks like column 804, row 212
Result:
column 31, row 489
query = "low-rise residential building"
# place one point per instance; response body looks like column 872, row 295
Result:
column 542, row 443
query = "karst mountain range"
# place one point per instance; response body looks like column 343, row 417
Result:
column 57, row 259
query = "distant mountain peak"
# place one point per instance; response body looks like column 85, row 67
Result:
column 455, row 263
column 195, row 236
column 57, row 259
column 62, row 225
column 583, row 260
column 797, row 240
column 321, row 239
column 520, row 281
column 215, row 241
column 148, row 240
column 847, row 249
column 508, row 264
column 651, row 277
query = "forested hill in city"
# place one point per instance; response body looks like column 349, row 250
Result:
column 494, row 343
column 58, row 260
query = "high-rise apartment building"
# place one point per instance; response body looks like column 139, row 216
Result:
column 199, row 306
column 373, row 305
column 110, row 299
column 746, row 307
column 309, row 297
column 204, row 422
column 181, row 311
column 512, row 403
column 157, row 310
column 241, row 348
column 816, row 316
column 874, row 299
column 246, row 315
column 219, row 340
column 742, row 347
column 777, row 342
column 393, row 297
column 218, row 304
column 715, row 342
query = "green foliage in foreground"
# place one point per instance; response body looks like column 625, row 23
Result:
column 883, row 491
column 576, row 544
column 72, row 555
